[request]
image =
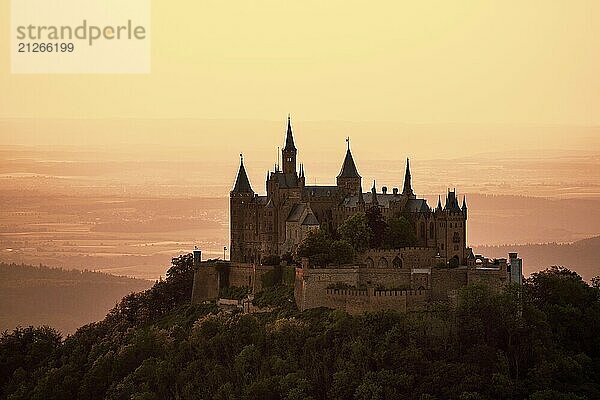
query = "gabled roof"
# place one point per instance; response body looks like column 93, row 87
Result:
column 242, row 183
column 310, row 220
column 348, row 167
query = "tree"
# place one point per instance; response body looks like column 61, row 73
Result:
column 399, row 233
column 341, row 252
column 272, row 259
column 356, row 231
column 315, row 246
column 377, row 225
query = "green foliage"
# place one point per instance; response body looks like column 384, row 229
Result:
column 288, row 276
column 378, row 227
column 275, row 296
column 399, row 233
column 315, row 246
column 234, row 292
column 536, row 342
column 273, row 259
column 356, row 231
column 322, row 250
column 273, row 277
column 341, row 252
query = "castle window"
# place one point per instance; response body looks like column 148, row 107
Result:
column 423, row 230
column 455, row 247
column 456, row 238
column 383, row 262
column 397, row 262
column 431, row 230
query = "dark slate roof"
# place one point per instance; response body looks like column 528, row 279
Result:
column 417, row 205
column 310, row 220
column 242, row 183
column 285, row 180
column 384, row 200
column 289, row 138
column 261, row 200
column 348, row 167
column 452, row 202
column 320, row 191
column 296, row 212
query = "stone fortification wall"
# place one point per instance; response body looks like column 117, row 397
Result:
column 369, row 300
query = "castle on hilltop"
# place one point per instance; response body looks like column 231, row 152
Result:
column 433, row 267
column 274, row 224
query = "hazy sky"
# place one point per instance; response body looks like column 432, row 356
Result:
column 515, row 62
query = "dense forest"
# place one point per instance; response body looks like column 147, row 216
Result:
column 63, row 299
column 535, row 342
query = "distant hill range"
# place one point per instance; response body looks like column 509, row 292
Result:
column 582, row 256
column 64, row 299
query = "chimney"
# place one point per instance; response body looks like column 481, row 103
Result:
column 395, row 191
column 384, row 189
column 197, row 257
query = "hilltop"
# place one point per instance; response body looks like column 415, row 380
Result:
column 535, row 343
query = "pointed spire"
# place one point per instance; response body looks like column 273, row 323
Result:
column 407, row 190
column 464, row 204
column 348, row 167
column 289, row 137
column 242, row 184
column 301, row 170
column 374, row 194
column 361, row 199
column 439, row 206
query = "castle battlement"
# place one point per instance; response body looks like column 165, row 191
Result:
column 435, row 265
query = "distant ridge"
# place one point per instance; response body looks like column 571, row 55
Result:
column 64, row 299
column 580, row 256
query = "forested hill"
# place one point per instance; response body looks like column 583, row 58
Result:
column 581, row 256
column 63, row 299
column 536, row 343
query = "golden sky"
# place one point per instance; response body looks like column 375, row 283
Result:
column 516, row 62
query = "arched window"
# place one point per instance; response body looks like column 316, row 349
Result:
column 369, row 262
column 383, row 262
column 431, row 230
column 397, row 262
column 423, row 230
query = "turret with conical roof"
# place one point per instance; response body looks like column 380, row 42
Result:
column 348, row 178
column 289, row 151
column 242, row 183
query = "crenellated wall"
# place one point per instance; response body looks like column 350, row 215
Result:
column 358, row 301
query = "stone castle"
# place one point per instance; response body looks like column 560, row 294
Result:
column 437, row 265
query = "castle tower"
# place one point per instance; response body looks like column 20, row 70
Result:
column 453, row 229
column 239, row 199
column 289, row 152
column 407, row 190
column 348, row 178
